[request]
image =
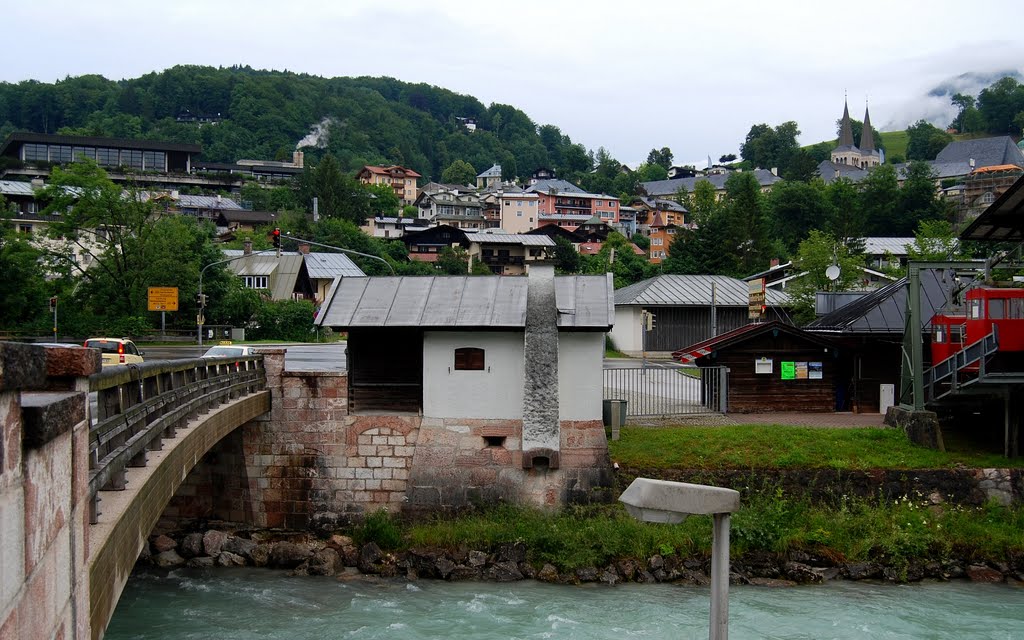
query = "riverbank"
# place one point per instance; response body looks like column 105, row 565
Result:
column 776, row 540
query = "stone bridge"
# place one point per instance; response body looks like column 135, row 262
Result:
column 81, row 488
column 91, row 462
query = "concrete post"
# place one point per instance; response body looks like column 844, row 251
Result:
column 720, row 577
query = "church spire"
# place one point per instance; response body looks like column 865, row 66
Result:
column 867, row 136
column 846, row 128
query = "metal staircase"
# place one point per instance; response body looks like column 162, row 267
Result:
column 964, row 368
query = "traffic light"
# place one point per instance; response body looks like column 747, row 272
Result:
column 53, row 303
column 201, row 299
column 648, row 320
column 276, row 237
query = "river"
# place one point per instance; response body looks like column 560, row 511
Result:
column 235, row 604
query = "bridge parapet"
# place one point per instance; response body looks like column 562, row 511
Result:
column 137, row 406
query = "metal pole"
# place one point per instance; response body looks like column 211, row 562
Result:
column 55, row 322
column 714, row 309
column 202, row 306
column 720, row 577
column 163, row 325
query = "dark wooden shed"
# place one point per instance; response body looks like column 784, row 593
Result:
column 772, row 367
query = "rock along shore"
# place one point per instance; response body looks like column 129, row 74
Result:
column 305, row 554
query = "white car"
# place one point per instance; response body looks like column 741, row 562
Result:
column 230, row 351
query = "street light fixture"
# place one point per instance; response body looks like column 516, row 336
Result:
column 663, row 501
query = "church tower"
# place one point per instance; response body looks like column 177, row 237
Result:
column 847, row 152
column 869, row 156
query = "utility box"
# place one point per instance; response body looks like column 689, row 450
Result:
column 238, row 334
column 886, row 397
column 614, row 414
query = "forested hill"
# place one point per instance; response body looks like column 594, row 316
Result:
column 264, row 114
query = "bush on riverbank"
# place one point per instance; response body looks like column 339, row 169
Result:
column 894, row 533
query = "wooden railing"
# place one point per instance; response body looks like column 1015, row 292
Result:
column 137, row 406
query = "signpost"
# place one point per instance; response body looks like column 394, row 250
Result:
column 163, row 299
column 756, row 299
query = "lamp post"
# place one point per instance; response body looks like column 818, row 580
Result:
column 650, row 500
column 352, row 251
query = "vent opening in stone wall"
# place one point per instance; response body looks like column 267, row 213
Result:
column 469, row 359
column 494, row 441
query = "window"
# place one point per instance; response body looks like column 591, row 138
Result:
column 34, row 152
column 60, row 153
column 469, row 359
column 106, row 157
column 519, row 214
column 975, row 310
column 939, row 336
column 656, row 241
column 988, row 198
column 154, row 160
column 255, row 282
column 84, row 152
column 25, row 228
column 995, row 308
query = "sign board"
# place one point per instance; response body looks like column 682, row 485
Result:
column 163, row 298
column 755, row 298
column 788, row 370
column 763, row 365
column 801, row 371
column 814, row 371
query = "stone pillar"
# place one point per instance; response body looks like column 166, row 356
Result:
column 44, row 497
column 541, row 433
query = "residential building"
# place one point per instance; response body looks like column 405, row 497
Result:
column 519, row 211
column 426, row 245
column 508, row 253
column 283, row 277
column 558, row 197
column 392, row 226
column 235, row 221
column 668, row 189
column 489, row 178
column 645, row 206
column 458, row 208
column 661, row 234
column 400, row 179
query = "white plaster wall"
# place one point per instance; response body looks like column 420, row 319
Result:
column 627, row 331
column 580, row 375
column 494, row 393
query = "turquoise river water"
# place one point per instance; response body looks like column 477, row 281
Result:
column 229, row 604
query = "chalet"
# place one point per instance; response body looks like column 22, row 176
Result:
column 489, row 178
column 493, row 384
column 426, row 245
column 400, row 179
column 277, row 278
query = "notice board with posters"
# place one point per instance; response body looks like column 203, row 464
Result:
column 788, row 370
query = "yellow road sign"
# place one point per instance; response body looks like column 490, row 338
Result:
column 163, row 298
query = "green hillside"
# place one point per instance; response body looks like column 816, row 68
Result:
column 263, row 114
column 895, row 143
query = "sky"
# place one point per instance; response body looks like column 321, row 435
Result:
column 629, row 76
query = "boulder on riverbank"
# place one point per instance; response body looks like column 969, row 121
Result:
column 340, row 556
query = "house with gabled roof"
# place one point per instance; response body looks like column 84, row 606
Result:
column 489, row 178
column 401, row 179
column 277, row 278
column 467, row 390
column 773, row 366
column 509, row 254
column 687, row 309
column 667, row 189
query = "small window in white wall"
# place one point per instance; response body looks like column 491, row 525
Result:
column 469, row 359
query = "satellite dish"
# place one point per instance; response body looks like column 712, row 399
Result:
column 832, row 273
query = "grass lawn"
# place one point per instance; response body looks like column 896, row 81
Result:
column 782, row 447
column 895, row 143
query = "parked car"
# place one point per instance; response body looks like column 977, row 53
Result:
column 116, row 350
column 229, row 351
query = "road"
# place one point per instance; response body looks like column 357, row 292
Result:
column 299, row 357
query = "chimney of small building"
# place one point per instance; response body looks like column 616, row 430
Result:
column 304, row 248
column 247, row 248
column 175, row 195
column 774, row 263
column 775, row 171
column 541, row 432
column 297, row 159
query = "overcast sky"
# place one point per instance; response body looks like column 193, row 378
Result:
column 628, row 75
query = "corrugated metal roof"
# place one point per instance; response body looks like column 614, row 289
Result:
column 584, row 302
column 15, row 188
column 255, row 265
column 329, row 265
column 681, row 291
column 287, row 273
column 884, row 310
column 881, row 246
column 511, row 238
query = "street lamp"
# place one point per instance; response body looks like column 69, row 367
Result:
column 651, row 500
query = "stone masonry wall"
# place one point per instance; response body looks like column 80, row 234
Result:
column 44, row 491
column 309, row 464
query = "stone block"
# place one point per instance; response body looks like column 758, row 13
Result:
column 48, row 415
column 22, row 366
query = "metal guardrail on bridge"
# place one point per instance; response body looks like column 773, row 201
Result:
column 139, row 405
column 668, row 391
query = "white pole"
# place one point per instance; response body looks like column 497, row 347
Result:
column 720, row 577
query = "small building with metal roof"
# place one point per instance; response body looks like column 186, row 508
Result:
column 687, row 309
column 497, row 380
